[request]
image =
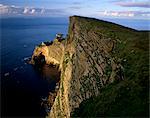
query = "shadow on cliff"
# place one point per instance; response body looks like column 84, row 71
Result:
column 51, row 74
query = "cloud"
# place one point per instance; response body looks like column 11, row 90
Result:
column 5, row 9
column 125, row 13
column 143, row 4
column 75, row 7
column 8, row 10
column 25, row 10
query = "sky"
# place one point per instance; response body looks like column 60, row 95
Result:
column 91, row 8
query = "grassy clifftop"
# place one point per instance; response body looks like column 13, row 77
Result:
column 128, row 97
column 104, row 70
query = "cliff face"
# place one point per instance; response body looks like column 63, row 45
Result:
column 89, row 59
column 53, row 53
column 86, row 67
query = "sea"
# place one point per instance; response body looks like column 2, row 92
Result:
column 22, row 85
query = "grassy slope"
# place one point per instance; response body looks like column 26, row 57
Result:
column 128, row 97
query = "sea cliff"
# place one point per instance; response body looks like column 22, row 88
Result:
column 94, row 55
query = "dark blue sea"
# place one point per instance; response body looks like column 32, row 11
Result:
column 22, row 85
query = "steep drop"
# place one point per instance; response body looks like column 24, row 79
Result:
column 95, row 55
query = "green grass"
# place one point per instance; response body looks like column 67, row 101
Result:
column 126, row 98
column 130, row 96
column 108, row 70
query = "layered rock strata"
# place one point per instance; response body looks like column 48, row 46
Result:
column 86, row 60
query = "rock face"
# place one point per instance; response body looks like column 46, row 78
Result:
column 87, row 60
column 53, row 53
column 87, row 66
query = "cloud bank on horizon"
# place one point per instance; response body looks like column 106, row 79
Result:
column 12, row 10
column 92, row 8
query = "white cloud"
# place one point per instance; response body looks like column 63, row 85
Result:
column 16, row 10
column 4, row 9
column 144, row 4
column 32, row 11
column 125, row 13
column 25, row 10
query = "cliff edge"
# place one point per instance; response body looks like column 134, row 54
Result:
column 95, row 55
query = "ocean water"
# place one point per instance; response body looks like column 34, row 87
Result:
column 22, row 85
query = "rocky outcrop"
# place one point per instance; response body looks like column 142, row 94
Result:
column 53, row 53
column 87, row 62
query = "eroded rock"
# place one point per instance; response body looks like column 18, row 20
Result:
column 86, row 63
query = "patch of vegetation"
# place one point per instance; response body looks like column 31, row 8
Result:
column 66, row 60
column 62, row 88
column 58, row 99
column 129, row 97
column 126, row 98
column 108, row 70
column 97, row 77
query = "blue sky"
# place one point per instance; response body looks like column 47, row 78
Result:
column 93, row 8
